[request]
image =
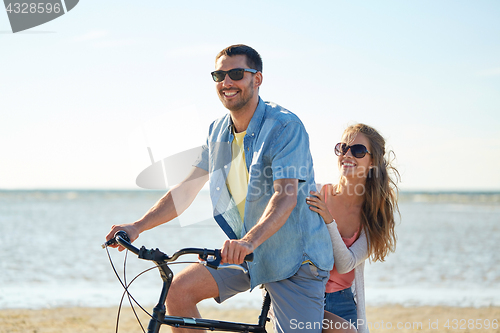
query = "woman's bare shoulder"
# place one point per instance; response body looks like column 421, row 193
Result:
column 331, row 189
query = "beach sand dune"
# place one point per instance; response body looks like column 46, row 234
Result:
column 382, row 319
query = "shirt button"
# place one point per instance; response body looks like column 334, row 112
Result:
column 253, row 134
column 225, row 166
column 218, row 188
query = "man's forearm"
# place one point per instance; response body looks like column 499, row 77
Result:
column 174, row 203
column 163, row 211
column 276, row 214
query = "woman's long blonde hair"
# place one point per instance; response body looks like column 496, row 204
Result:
column 381, row 191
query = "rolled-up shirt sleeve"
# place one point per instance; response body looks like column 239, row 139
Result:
column 202, row 159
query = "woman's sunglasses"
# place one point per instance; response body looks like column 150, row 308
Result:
column 235, row 74
column 358, row 151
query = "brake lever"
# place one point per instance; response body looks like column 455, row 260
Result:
column 108, row 243
column 234, row 266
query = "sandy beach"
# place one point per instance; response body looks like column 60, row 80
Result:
column 382, row 319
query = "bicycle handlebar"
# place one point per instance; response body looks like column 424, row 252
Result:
column 122, row 239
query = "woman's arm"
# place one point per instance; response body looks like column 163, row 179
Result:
column 346, row 259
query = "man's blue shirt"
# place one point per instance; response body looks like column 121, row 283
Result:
column 276, row 147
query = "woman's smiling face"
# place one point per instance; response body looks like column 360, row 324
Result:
column 351, row 166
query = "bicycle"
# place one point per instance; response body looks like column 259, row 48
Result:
column 209, row 258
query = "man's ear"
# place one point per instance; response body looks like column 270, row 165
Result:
column 258, row 79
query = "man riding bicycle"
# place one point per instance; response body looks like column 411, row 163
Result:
column 260, row 171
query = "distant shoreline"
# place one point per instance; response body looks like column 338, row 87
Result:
column 457, row 197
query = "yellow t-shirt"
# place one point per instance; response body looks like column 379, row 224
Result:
column 237, row 179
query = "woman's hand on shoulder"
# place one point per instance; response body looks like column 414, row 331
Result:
column 318, row 205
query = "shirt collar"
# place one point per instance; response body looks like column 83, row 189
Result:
column 255, row 122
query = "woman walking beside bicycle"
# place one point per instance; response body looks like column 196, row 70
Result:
column 359, row 213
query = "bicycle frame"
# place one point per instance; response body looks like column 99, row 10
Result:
column 160, row 318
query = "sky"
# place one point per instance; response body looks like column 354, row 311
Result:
column 83, row 97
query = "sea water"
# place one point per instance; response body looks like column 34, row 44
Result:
column 50, row 249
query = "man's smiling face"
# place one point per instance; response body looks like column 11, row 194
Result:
column 235, row 95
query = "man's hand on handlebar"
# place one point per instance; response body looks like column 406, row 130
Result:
column 234, row 251
column 130, row 229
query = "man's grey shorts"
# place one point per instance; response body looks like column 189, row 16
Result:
column 297, row 302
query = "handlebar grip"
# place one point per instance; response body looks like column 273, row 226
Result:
column 249, row 257
column 113, row 240
column 123, row 235
column 218, row 256
column 122, row 239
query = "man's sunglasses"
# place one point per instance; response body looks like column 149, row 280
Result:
column 358, row 151
column 235, row 74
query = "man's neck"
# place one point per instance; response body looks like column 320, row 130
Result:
column 242, row 117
